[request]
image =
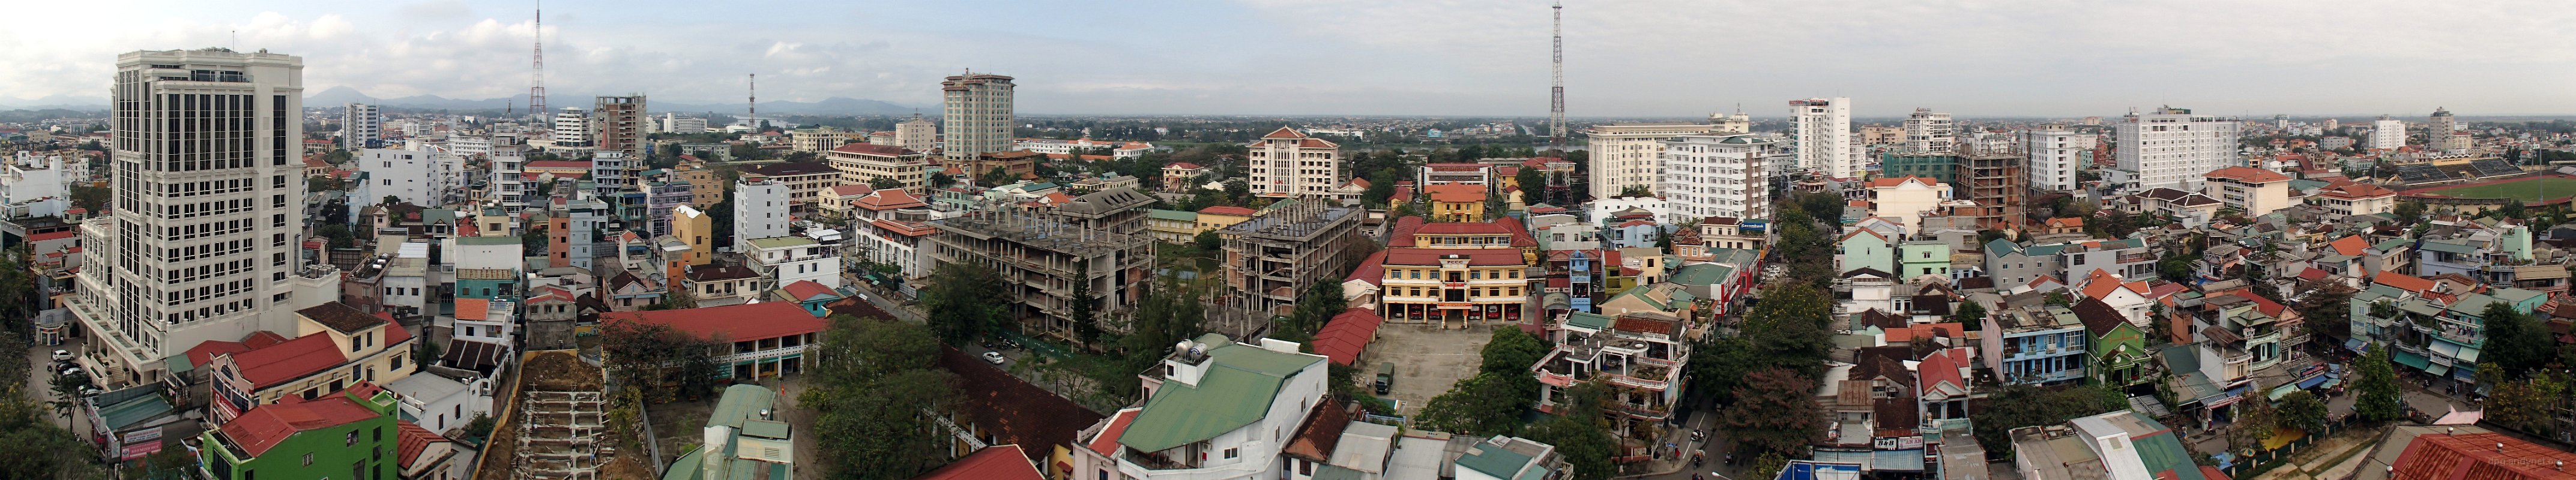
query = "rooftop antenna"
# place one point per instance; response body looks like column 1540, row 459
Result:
column 754, row 121
column 537, row 70
column 1556, row 80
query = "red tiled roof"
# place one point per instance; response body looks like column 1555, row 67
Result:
column 1405, row 227
column 889, row 200
column 1227, row 210
column 1431, row 256
column 1011, row 410
column 2403, row 282
column 2247, row 174
column 410, row 439
column 1316, row 143
column 2353, row 245
column 1348, row 334
column 265, row 426
column 870, row 149
column 750, row 321
column 909, row 229
column 1455, row 192
column 54, row 235
column 2358, row 190
column 1371, row 269
column 807, row 290
column 1891, row 182
column 267, row 367
column 558, row 164
column 1643, row 325
column 472, row 308
column 2069, row 222
column 1107, row 442
column 2480, row 456
column 1284, row 132
column 207, row 350
column 998, row 462
column 1463, row 228
column 1941, row 367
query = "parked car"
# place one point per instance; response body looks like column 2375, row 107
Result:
column 62, row 355
column 1385, row 377
column 995, row 357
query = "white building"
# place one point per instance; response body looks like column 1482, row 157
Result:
column 1716, row 175
column 1904, row 199
column 30, row 177
column 1631, row 154
column 506, row 161
column 2051, row 156
column 1199, row 422
column 783, row 261
column 360, row 123
column 608, row 169
column 674, row 123
column 918, row 134
column 416, row 174
column 759, row 210
column 439, row 403
column 1725, row 124
column 2171, row 148
column 225, row 263
column 1820, row 132
column 978, row 117
column 1927, row 131
column 572, row 136
column 1286, row 163
column 2387, row 133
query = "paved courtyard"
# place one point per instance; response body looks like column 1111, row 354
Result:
column 1427, row 360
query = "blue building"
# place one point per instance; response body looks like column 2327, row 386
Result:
column 2035, row 346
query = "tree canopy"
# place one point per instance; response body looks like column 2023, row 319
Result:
column 965, row 302
column 875, row 385
column 2377, row 386
column 1775, row 412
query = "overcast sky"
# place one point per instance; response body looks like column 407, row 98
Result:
column 1625, row 58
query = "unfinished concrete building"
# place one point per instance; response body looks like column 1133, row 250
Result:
column 1994, row 181
column 1271, row 258
column 1116, row 210
column 1041, row 255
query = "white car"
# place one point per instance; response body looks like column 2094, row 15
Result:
column 62, row 355
column 995, row 357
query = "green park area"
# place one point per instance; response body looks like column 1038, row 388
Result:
column 2528, row 190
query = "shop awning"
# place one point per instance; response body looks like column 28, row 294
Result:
column 2468, row 355
column 2411, row 359
column 2443, row 350
column 2437, row 370
column 2355, row 345
column 2313, row 382
column 2466, row 372
column 2280, row 391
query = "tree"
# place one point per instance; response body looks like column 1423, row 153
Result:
column 1775, row 411
column 1237, row 190
column 1489, row 403
column 1316, row 304
column 2257, row 421
column 663, row 362
column 998, row 176
column 1579, row 434
column 2175, row 267
column 2408, row 212
column 1530, row 179
column 1209, row 241
column 1086, row 308
column 2327, row 307
column 2526, row 405
column 2378, row 400
column 885, row 183
column 2016, row 406
column 90, row 196
column 2514, row 340
column 965, row 301
column 1512, row 351
column 876, row 388
column 2304, row 411
column 1970, row 315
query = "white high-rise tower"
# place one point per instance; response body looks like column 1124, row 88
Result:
column 1820, row 129
column 361, row 123
column 978, row 117
column 2387, row 133
column 2172, row 148
column 204, row 241
column 1927, row 131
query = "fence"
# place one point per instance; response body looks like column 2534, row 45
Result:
column 2264, row 461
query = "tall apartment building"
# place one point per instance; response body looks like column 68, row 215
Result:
column 2443, row 132
column 362, row 122
column 918, row 134
column 620, row 126
column 2052, row 154
column 1716, row 175
column 1927, row 131
column 1820, row 131
column 203, row 241
column 1631, row 154
column 978, row 114
column 759, row 209
column 1287, row 163
column 863, row 164
column 2387, row 133
column 572, row 133
column 2171, row 148
column 419, row 175
column 507, row 158
column 1041, row 257
column 1994, row 180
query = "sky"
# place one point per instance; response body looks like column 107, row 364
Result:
column 1623, row 58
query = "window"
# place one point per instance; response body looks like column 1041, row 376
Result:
column 308, row 458
column 1229, row 453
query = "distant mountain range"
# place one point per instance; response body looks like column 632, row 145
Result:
column 832, row 106
column 61, row 101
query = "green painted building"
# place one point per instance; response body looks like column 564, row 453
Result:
column 1942, row 167
column 351, row 435
column 2119, row 354
column 1917, row 258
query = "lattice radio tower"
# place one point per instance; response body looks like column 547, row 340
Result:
column 754, row 99
column 1556, row 81
column 537, row 72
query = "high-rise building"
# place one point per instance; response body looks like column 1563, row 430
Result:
column 759, row 209
column 620, row 127
column 2387, row 133
column 2443, row 132
column 1820, row 133
column 2051, row 156
column 1286, row 163
column 507, row 159
column 978, row 114
column 1927, row 131
column 674, row 123
column 362, row 122
column 572, row 134
column 1716, row 175
column 918, row 134
column 2172, row 148
column 203, row 244
column 1631, row 154
column 2281, row 121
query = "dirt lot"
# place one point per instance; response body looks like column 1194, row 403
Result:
column 1427, row 360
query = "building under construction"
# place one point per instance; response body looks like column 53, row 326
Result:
column 1994, row 181
column 1270, row 258
column 1040, row 255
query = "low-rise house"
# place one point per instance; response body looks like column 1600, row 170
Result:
column 786, row 260
column 756, row 340
column 2122, row 445
column 1640, row 354
column 345, row 433
column 1210, row 405
column 2035, row 346
column 2117, row 349
column 1173, row 226
column 745, row 438
column 336, row 346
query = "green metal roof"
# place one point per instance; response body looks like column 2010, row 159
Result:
column 1999, row 247
column 741, row 403
column 782, row 242
column 1589, row 320
column 1494, row 461
column 2048, row 250
column 2306, row 184
column 1701, row 274
column 764, row 428
column 1332, row 472
column 2391, row 244
column 1171, row 215
column 134, row 410
column 2163, row 453
column 2447, row 247
column 687, row 466
column 1236, row 390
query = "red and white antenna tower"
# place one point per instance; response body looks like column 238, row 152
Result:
column 537, row 72
column 1556, row 80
